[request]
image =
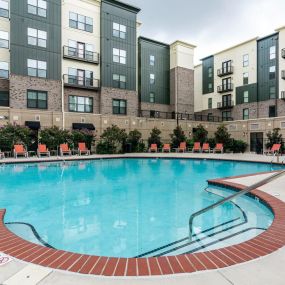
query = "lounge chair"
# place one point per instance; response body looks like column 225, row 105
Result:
column 274, row 150
column 219, row 148
column 206, row 148
column 42, row 150
column 2, row 155
column 153, row 148
column 197, row 147
column 182, row 147
column 166, row 148
column 19, row 150
column 64, row 149
column 82, row 149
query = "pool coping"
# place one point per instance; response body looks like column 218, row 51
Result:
column 262, row 245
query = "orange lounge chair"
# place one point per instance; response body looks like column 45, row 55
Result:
column 197, row 147
column 64, row 149
column 182, row 147
column 274, row 150
column 166, row 148
column 206, row 148
column 42, row 150
column 153, row 148
column 82, row 149
column 19, row 149
column 219, row 148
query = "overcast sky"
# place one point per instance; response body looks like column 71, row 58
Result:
column 211, row 25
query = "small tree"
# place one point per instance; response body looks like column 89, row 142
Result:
column 135, row 140
column 177, row 137
column 223, row 136
column 274, row 137
column 155, row 137
column 85, row 136
column 200, row 134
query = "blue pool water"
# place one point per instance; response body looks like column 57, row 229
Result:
column 128, row 207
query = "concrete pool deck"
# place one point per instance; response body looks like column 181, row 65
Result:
column 259, row 271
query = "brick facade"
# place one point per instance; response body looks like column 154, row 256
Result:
column 155, row 107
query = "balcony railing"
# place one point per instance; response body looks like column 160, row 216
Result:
column 283, row 74
column 225, row 105
column 78, row 54
column 283, row 95
column 81, row 82
column 283, row 52
column 225, row 88
column 225, row 71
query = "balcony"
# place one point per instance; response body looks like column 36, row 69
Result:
column 283, row 74
column 81, row 82
column 78, row 54
column 225, row 88
column 283, row 95
column 225, row 105
column 283, row 52
column 225, row 71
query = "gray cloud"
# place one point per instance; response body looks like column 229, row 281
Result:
column 212, row 25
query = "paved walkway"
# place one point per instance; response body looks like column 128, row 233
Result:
column 264, row 271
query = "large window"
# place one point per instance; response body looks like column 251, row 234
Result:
column 37, row 99
column 245, row 114
column 210, row 103
column 151, row 97
column 80, row 77
column 119, row 107
column 80, row 104
column 272, row 92
column 4, row 8
column 4, row 99
column 37, row 68
column 245, row 97
column 80, row 50
column 245, row 78
column 245, row 60
column 119, row 81
column 4, row 69
column 226, row 115
column 119, row 31
column 119, row 56
column 272, row 111
column 80, row 22
column 151, row 78
column 37, row 38
column 272, row 72
column 37, row 7
column 151, row 60
column 272, row 52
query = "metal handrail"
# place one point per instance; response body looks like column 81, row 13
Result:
column 238, row 194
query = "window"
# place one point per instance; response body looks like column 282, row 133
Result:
column 245, row 78
column 80, row 77
column 151, row 60
column 80, row 22
column 37, row 7
column 210, row 103
column 272, row 52
column 245, row 60
column 245, row 114
column 4, row 8
column 272, row 111
column 210, row 72
column 272, row 92
column 227, row 101
column 37, row 38
column 210, row 117
column 151, row 97
column 4, row 69
column 80, row 104
column 119, row 31
column 4, row 39
column 272, row 72
column 4, row 99
column 119, row 81
column 227, row 84
column 245, row 97
column 119, row 107
column 37, row 99
column 226, row 115
column 151, row 78
column 210, row 87
column 37, row 68
column 80, row 50
column 119, row 56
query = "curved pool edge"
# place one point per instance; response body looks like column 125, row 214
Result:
column 266, row 243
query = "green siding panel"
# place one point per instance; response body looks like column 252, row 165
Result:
column 207, row 63
column 21, row 20
column 161, row 70
column 252, row 93
column 109, row 14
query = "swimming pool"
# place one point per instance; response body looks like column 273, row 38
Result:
column 128, row 207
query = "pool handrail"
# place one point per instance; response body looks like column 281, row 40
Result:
column 227, row 199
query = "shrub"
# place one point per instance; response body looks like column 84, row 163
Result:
column 212, row 142
column 238, row 146
column 135, row 141
column 200, row 134
column 274, row 137
column 54, row 136
column 190, row 143
column 177, row 137
column 85, row 136
column 112, row 141
column 222, row 136
column 155, row 137
column 14, row 134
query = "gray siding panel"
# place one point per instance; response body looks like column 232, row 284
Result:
column 252, row 93
column 207, row 63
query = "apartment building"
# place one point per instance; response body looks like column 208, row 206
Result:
column 243, row 82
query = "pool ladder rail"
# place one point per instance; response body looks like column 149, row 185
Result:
column 230, row 198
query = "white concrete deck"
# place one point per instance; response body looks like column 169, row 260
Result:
column 263, row 271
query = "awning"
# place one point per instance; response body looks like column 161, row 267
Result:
column 33, row 125
column 80, row 126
